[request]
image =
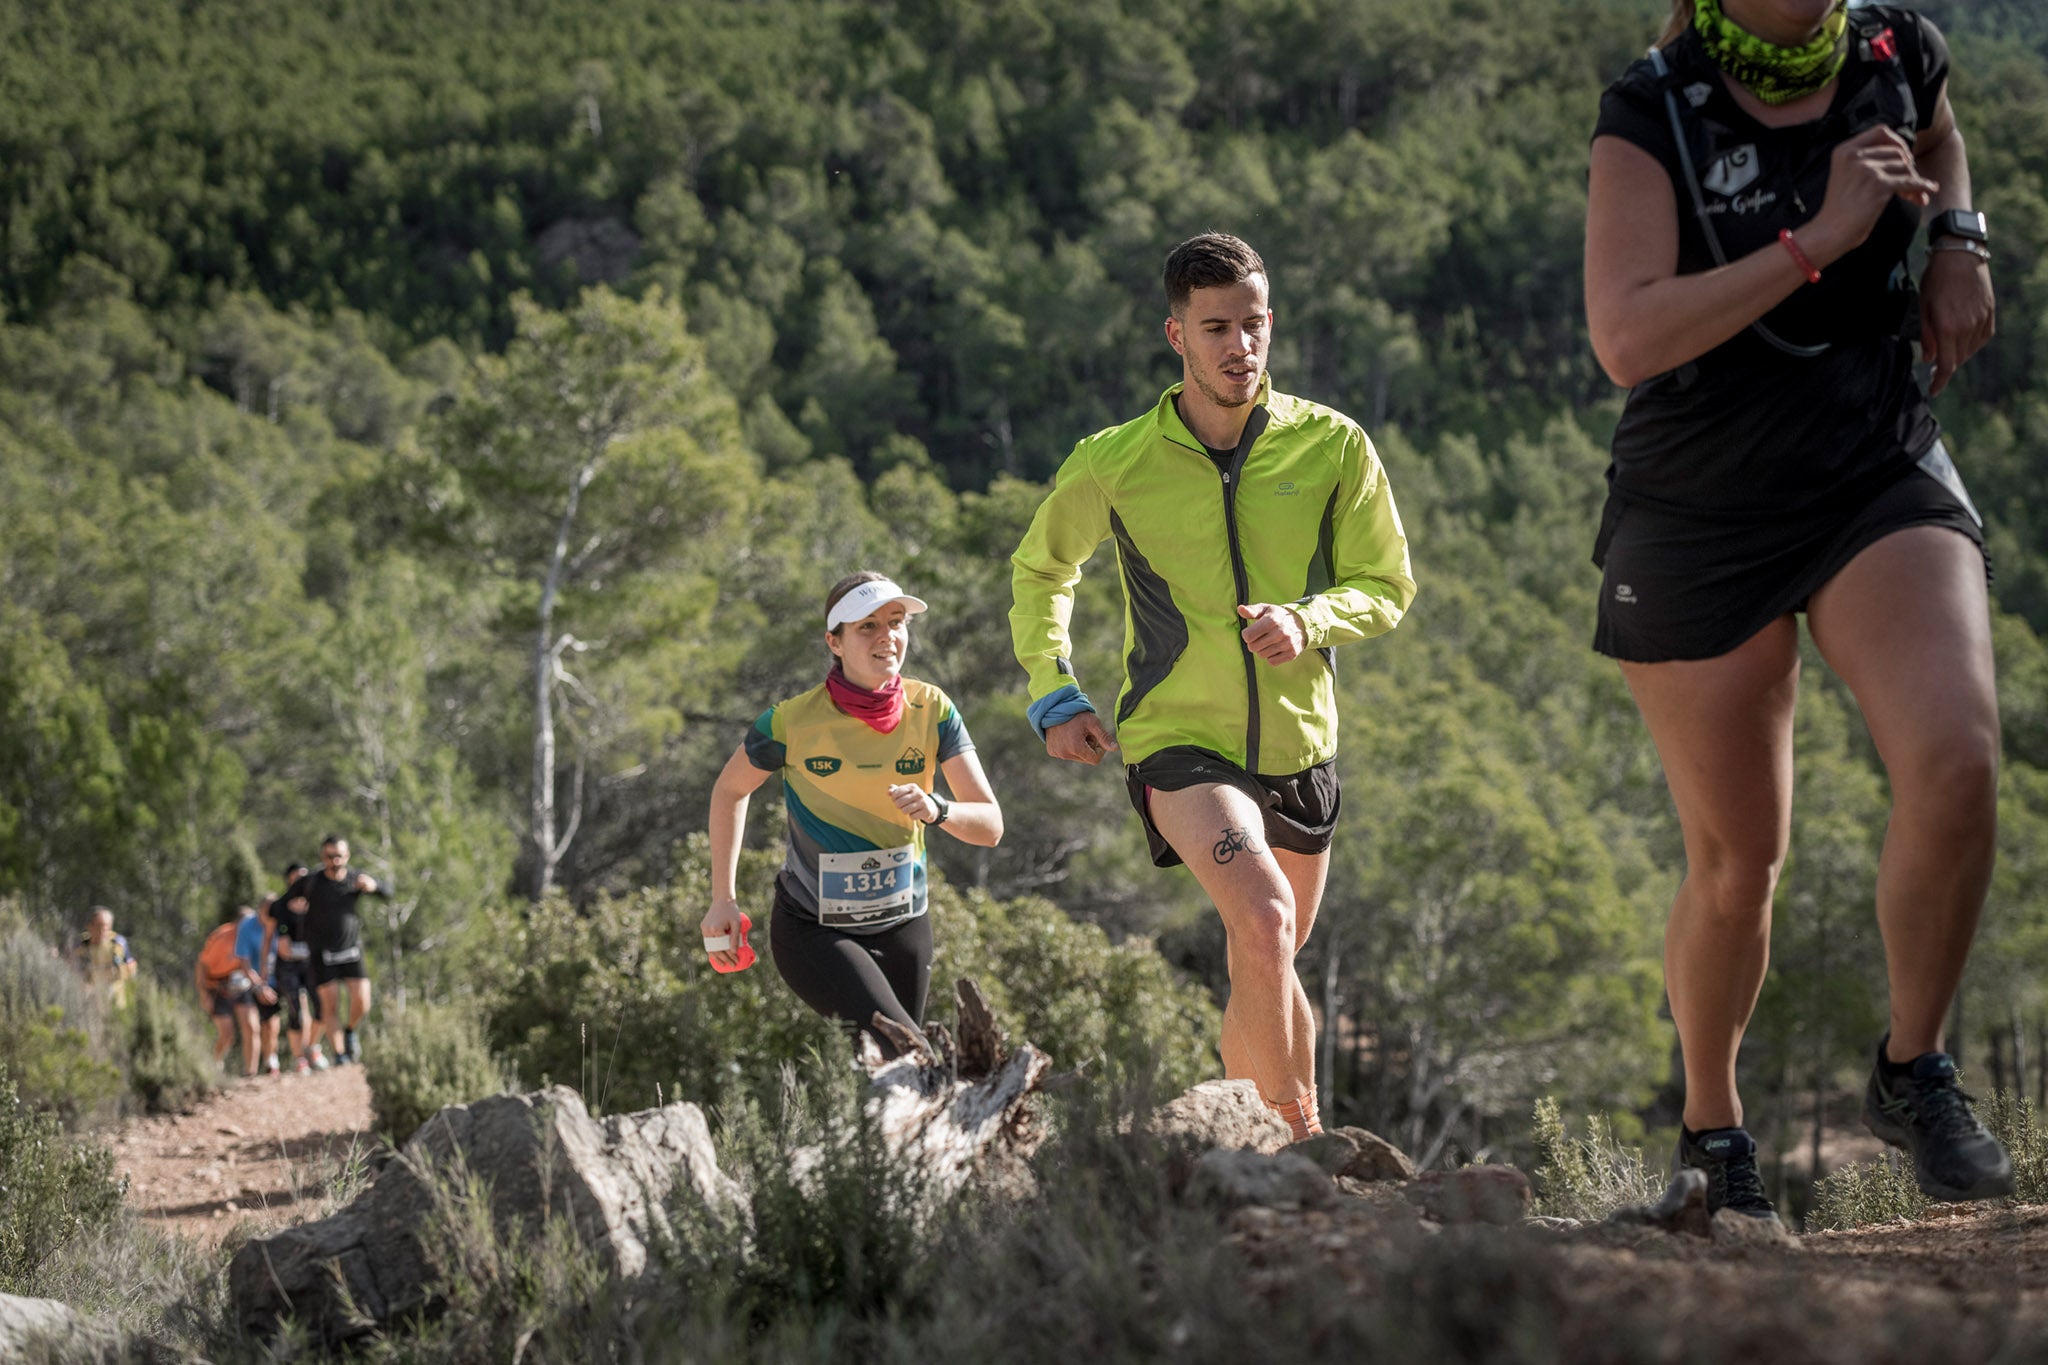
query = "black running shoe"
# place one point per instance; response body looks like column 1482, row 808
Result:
column 1926, row 1113
column 1727, row 1156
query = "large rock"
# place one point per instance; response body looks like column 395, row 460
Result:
column 1270, row 1180
column 46, row 1332
column 1226, row 1114
column 613, row 1180
column 1681, row 1209
column 1730, row 1228
column 1356, row 1154
column 1472, row 1194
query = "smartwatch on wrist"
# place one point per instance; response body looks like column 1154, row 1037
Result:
column 945, row 809
column 1967, row 224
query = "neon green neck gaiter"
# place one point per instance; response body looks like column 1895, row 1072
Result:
column 1774, row 74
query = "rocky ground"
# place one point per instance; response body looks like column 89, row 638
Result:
column 1963, row 1285
column 260, row 1151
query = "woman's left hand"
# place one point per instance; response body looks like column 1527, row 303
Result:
column 1957, row 312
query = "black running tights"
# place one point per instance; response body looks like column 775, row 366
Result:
column 852, row 976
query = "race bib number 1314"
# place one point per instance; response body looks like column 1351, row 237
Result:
column 866, row 889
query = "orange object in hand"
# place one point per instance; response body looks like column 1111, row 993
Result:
column 724, row 944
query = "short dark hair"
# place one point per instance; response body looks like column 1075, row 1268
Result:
column 1204, row 262
column 845, row 586
column 290, row 868
column 327, row 839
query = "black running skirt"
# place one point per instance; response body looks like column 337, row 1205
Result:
column 1677, row 586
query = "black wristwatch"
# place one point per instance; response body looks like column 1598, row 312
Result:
column 1967, row 224
column 945, row 808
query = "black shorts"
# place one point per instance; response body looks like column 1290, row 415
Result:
column 294, row 985
column 225, row 1004
column 1681, row 586
column 1300, row 808
column 349, row 969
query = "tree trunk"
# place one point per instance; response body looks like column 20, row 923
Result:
column 547, row 658
column 1820, row 1119
column 2019, row 1054
column 1326, row 1067
column 2041, row 1064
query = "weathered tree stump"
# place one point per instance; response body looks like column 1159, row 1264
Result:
column 952, row 1106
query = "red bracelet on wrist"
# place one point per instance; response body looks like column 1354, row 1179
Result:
column 1799, row 257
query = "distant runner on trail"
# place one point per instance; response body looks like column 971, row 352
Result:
column 230, row 988
column 256, row 943
column 858, row 755
column 1254, row 531
column 295, row 979
column 1756, row 183
column 103, row 957
column 326, row 901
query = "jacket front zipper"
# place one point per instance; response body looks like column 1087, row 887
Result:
column 1231, row 479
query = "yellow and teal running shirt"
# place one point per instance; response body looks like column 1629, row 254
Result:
column 855, row 861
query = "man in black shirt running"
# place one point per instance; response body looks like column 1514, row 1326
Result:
column 327, row 901
column 295, row 978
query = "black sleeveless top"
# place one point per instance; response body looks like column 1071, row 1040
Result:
column 1747, row 430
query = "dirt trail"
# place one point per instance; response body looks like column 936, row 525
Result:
column 259, row 1151
column 1965, row 1285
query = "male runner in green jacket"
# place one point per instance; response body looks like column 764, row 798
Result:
column 1254, row 531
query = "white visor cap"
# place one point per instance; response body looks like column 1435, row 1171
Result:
column 869, row 598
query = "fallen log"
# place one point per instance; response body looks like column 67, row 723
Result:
column 954, row 1105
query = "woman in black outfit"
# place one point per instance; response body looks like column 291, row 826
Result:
column 1756, row 183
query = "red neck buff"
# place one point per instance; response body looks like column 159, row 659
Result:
column 880, row 708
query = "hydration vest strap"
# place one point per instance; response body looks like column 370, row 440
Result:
column 1699, row 200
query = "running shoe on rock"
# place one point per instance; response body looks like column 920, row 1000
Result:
column 1922, row 1110
column 1727, row 1157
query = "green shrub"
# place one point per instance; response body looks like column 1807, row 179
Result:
column 541, row 1297
column 620, row 1002
column 52, row 1189
column 132, row 1272
column 1883, row 1189
column 428, row 1057
column 1590, row 1177
column 1060, row 983
column 618, row 998
column 2014, row 1121
column 1866, row 1192
column 829, row 1240
column 53, row 1041
column 164, row 1049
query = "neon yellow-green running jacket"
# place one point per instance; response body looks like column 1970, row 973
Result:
column 1304, row 518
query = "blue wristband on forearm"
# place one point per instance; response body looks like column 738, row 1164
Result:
column 1057, row 708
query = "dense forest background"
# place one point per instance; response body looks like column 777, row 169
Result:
column 439, row 424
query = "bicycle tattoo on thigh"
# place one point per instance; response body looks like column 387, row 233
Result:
column 1233, row 842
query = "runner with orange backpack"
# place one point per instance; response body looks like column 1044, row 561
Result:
column 229, row 989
